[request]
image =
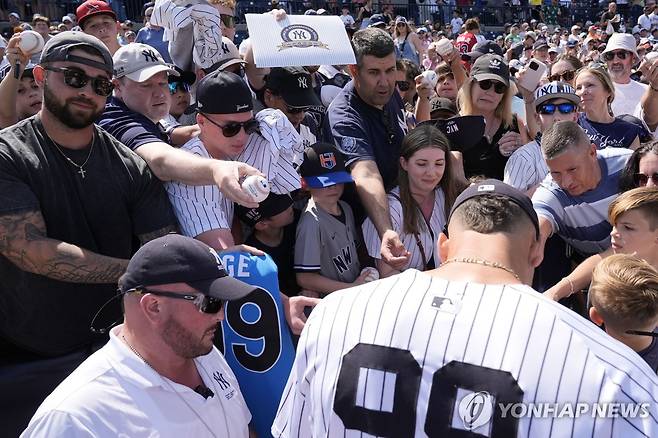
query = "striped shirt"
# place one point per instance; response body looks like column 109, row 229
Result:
column 526, row 167
column 427, row 235
column 582, row 221
column 397, row 357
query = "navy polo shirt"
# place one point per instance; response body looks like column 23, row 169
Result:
column 129, row 127
column 363, row 132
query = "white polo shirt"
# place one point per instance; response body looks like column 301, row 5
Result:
column 115, row 394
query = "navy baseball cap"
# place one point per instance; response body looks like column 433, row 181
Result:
column 377, row 20
column 496, row 187
column 323, row 166
column 178, row 259
column 482, row 49
column 223, row 92
column 272, row 205
column 294, row 85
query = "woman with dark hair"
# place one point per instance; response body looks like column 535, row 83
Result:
column 564, row 69
column 426, row 190
column 597, row 91
column 641, row 169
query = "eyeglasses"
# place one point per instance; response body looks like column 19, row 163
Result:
column 204, row 303
column 565, row 76
column 621, row 54
column 178, row 86
column 76, row 78
column 227, row 20
column 499, row 87
column 403, row 85
column 232, row 129
column 642, row 179
column 563, row 108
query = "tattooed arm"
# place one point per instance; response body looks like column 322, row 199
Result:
column 24, row 242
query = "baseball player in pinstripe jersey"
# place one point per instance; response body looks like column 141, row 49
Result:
column 449, row 353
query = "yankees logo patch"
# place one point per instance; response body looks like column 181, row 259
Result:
column 300, row 36
column 302, row 82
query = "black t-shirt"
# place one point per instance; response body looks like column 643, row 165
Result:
column 485, row 158
column 104, row 212
column 130, row 128
column 650, row 354
column 284, row 257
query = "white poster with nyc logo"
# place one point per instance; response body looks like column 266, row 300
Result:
column 299, row 40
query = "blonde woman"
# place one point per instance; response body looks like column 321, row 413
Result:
column 597, row 91
column 407, row 43
column 488, row 93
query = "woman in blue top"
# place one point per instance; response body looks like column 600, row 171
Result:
column 407, row 44
column 596, row 92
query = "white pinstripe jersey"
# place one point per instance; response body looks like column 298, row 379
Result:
column 394, row 357
column 526, row 167
column 427, row 239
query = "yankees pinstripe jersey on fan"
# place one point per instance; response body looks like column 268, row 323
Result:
column 526, row 167
column 199, row 208
column 395, row 358
column 326, row 246
column 427, row 235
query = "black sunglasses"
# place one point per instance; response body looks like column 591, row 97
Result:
column 499, row 87
column 621, row 54
column 642, row 333
column 642, row 179
column 76, row 78
column 403, row 85
column 204, row 303
column 232, row 129
column 178, row 86
column 563, row 108
column 227, row 20
column 565, row 76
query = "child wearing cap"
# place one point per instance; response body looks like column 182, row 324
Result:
column 624, row 298
column 273, row 225
column 326, row 257
column 526, row 167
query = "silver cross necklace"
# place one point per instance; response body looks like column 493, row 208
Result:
column 80, row 167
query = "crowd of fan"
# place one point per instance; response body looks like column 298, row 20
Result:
column 364, row 161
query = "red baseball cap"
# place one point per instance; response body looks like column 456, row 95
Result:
column 91, row 8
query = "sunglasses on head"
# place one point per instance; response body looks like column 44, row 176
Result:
column 403, row 85
column 76, row 78
column 204, row 303
column 178, row 86
column 232, row 129
column 621, row 54
column 499, row 87
column 227, row 20
column 565, row 76
column 642, row 179
column 563, row 108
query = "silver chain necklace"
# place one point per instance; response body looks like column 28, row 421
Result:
column 487, row 263
column 169, row 385
column 80, row 167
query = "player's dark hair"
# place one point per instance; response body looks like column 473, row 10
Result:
column 627, row 178
column 488, row 214
column 411, row 70
column 562, row 136
column 371, row 41
column 425, row 136
column 575, row 63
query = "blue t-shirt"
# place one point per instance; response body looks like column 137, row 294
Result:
column 153, row 37
column 618, row 134
column 127, row 126
column 582, row 221
column 363, row 132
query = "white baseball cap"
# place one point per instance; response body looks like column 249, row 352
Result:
column 621, row 41
column 227, row 54
column 138, row 62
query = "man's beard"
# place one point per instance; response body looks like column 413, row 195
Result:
column 183, row 342
column 62, row 110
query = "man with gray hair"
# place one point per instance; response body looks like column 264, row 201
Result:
column 366, row 121
column 573, row 199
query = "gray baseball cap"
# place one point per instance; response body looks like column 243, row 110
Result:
column 59, row 48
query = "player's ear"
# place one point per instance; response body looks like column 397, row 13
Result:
column 151, row 307
column 442, row 245
column 262, row 224
column 536, row 252
column 595, row 316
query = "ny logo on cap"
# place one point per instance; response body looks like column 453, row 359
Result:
column 494, row 63
column 302, row 82
column 219, row 261
column 328, row 160
column 225, row 48
column 149, row 55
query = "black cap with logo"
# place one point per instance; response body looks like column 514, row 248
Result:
column 294, row 85
column 482, row 49
column 323, row 166
column 272, row 205
column 490, row 67
column 59, row 48
column 223, row 92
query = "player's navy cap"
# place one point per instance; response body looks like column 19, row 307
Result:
column 482, row 49
column 323, row 166
column 272, row 205
column 496, row 187
column 59, row 48
column 178, row 259
column 223, row 92
column 294, row 85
